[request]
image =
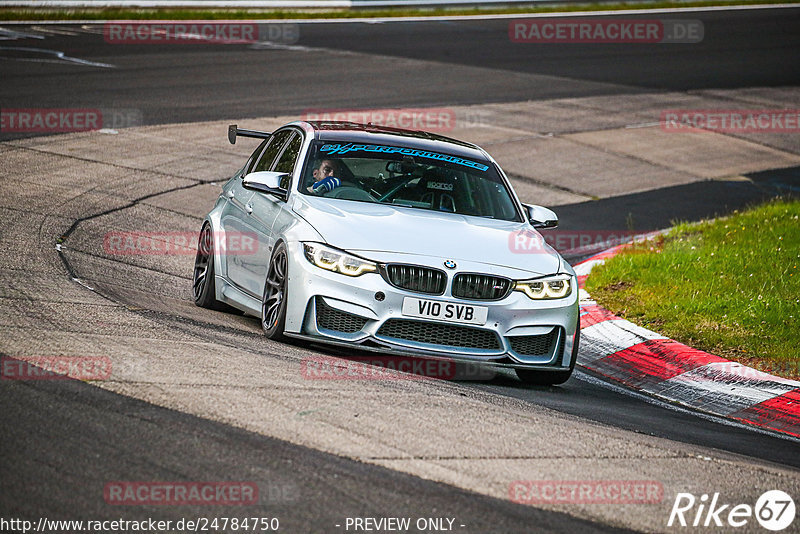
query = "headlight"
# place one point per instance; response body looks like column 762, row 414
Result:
column 337, row 261
column 550, row 287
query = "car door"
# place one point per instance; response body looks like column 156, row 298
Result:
column 242, row 266
column 266, row 208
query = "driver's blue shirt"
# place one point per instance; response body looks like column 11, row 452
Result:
column 326, row 185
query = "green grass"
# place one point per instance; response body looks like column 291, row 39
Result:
column 45, row 14
column 729, row 286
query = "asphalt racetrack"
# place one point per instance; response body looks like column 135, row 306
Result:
column 197, row 395
column 377, row 65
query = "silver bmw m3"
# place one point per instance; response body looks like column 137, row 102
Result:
column 393, row 241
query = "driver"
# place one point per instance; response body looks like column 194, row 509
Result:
column 324, row 176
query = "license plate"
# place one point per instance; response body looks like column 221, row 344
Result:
column 444, row 311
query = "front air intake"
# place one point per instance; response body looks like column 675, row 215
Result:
column 416, row 278
column 480, row 286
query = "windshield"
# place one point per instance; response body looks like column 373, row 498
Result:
column 407, row 177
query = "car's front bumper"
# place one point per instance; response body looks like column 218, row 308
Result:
column 519, row 331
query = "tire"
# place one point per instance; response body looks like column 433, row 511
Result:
column 275, row 298
column 551, row 378
column 203, row 286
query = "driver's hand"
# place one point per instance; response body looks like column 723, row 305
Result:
column 325, row 185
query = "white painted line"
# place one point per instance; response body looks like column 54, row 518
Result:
column 54, row 31
column 12, row 35
column 641, row 125
column 59, row 57
column 84, row 284
column 94, row 29
column 268, row 45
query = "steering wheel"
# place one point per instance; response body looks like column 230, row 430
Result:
column 348, row 192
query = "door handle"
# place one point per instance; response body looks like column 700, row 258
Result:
column 248, row 208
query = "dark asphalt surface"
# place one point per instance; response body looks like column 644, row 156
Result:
column 586, row 398
column 398, row 64
column 661, row 208
column 583, row 396
column 64, row 440
column 734, row 43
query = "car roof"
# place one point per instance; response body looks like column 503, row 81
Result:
column 351, row 132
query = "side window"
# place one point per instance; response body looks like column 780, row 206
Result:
column 273, row 149
column 288, row 159
column 249, row 165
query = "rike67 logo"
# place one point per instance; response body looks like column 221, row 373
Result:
column 774, row 510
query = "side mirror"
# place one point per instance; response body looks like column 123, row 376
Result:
column 273, row 183
column 541, row 217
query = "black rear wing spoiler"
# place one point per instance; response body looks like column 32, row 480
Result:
column 233, row 132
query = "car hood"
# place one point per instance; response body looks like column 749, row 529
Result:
column 363, row 227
